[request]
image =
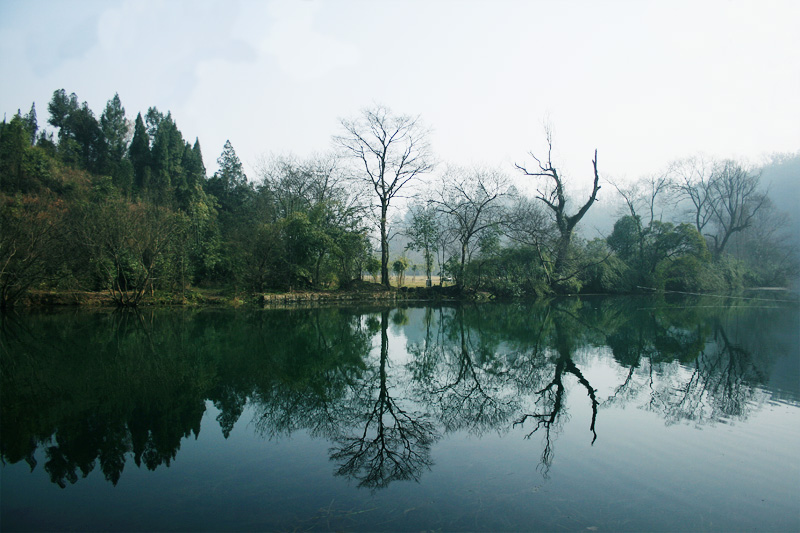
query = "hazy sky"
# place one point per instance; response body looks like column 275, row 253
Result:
column 643, row 82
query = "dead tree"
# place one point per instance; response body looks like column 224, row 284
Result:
column 554, row 197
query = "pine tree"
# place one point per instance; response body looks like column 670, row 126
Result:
column 230, row 172
column 193, row 166
column 167, row 157
column 61, row 106
column 198, row 153
column 153, row 120
column 229, row 183
column 31, row 123
column 13, row 145
column 80, row 139
column 115, row 128
column 139, row 154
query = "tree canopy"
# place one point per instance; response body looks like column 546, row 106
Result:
column 127, row 207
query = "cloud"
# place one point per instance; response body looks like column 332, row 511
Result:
column 300, row 49
column 67, row 38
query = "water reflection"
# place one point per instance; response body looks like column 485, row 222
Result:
column 726, row 357
column 389, row 439
column 91, row 390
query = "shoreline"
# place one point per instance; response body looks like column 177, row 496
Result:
column 373, row 294
column 38, row 299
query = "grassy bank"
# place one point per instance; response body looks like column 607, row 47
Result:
column 358, row 292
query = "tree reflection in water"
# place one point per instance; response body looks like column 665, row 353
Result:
column 394, row 442
column 459, row 374
column 101, row 388
column 501, row 367
column 718, row 377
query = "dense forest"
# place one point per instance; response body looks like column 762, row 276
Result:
column 126, row 206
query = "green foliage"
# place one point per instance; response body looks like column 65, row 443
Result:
column 31, row 123
column 114, row 186
column 204, row 239
column 399, row 267
column 128, row 245
column 14, row 151
column 373, row 266
column 120, row 195
column 166, row 158
column 80, row 139
column 723, row 275
column 139, row 155
column 627, row 239
column 229, row 183
column 61, row 106
column 605, row 272
column 513, row 272
column 659, row 256
column 423, row 232
column 352, row 251
column 451, row 268
column 115, row 128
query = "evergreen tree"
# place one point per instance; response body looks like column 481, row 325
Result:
column 200, row 168
column 229, row 183
column 80, row 139
column 230, row 170
column 153, row 119
column 61, row 106
column 115, row 128
column 46, row 143
column 193, row 167
column 167, row 156
column 13, row 144
column 31, row 123
column 139, row 154
column 189, row 182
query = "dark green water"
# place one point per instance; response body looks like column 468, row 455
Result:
column 584, row 415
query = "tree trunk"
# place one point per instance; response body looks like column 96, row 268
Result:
column 385, row 281
column 460, row 277
column 561, row 256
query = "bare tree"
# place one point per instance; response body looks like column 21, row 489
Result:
column 528, row 224
column 724, row 196
column 29, row 238
column 301, row 184
column 472, row 199
column 549, row 400
column 691, row 182
column 392, row 151
column 738, row 199
column 643, row 197
column 395, row 441
column 554, row 197
column 126, row 242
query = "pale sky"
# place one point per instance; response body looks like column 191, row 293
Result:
column 643, row 82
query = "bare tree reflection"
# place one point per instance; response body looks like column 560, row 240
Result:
column 462, row 376
column 704, row 376
column 550, row 412
column 395, row 441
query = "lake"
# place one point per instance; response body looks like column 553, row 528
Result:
column 590, row 414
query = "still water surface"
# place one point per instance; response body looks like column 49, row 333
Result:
column 599, row 414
